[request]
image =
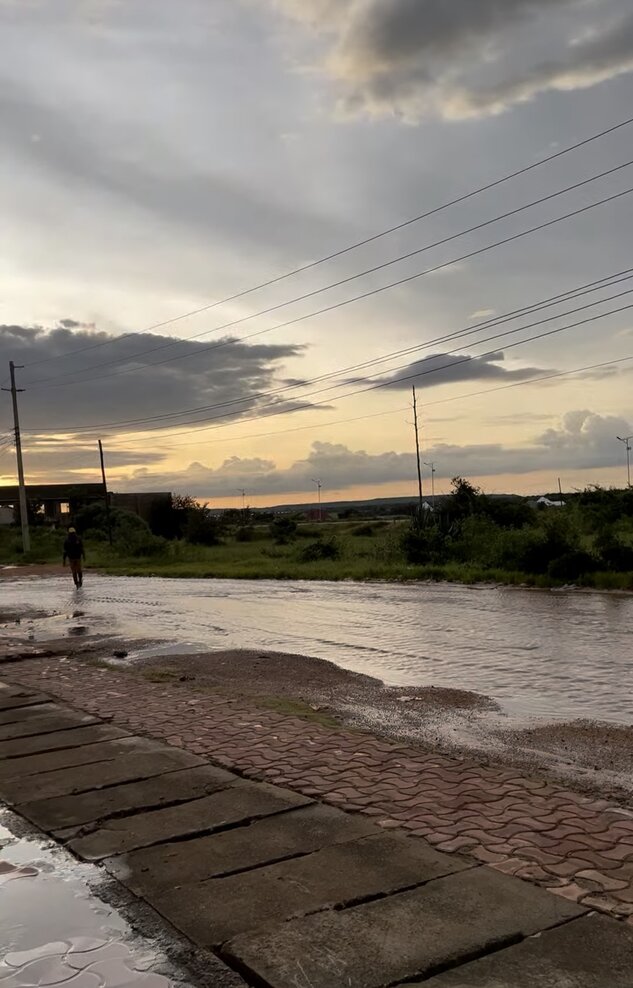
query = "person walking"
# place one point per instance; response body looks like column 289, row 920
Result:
column 75, row 554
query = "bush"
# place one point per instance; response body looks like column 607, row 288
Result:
column 572, row 565
column 323, row 549
column 283, row 530
column 422, row 545
column 245, row 534
column 363, row 530
column 201, row 527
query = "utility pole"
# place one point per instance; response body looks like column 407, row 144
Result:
column 24, row 511
column 432, row 466
column 417, row 449
column 105, row 493
column 560, row 491
column 319, row 486
column 627, row 442
column 242, row 491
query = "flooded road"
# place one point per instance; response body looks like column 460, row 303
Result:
column 54, row 929
column 558, row 655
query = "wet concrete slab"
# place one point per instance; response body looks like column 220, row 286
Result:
column 58, row 927
column 593, row 952
column 218, row 910
column 302, row 831
column 45, row 725
column 15, row 715
column 403, row 936
column 81, row 778
column 89, row 807
column 50, row 761
column 57, row 741
column 241, row 802
column 15, row 702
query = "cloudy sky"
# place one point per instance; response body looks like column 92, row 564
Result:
column 170, row 172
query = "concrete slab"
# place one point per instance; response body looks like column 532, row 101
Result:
column 45, row 725
column 243, row 802
column 402, row 936
column 89, row 807
column 304, row 830
column 593, row 952
column 59, row 740
column 15, row 702
column 66, row 781
column 218, row 910
column 18, row 715
column 49, row 761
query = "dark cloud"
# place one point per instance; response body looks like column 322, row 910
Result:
column 82, row 397
column 461, row 58
column 443, row 368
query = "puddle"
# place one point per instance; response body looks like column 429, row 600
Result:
column 55, row 929
column 555, row 655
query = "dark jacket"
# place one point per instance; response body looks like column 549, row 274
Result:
column 74, row 548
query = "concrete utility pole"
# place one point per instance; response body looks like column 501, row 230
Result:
column 24, row 512
column 105, row 493
column 319, row 486
column 432, row 466
column 417, row 449
column 627, row 442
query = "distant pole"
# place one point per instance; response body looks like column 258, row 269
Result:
column 417, row 448
column 627, row 442
column 242, row 491
column 24, row 511
column 560, row 490
column 105, row 493
column 319, row 486
column 432, row 466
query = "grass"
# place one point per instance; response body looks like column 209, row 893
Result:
column 363, row 557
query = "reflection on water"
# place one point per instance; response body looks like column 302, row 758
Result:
column 54, row 930
column 554, row 654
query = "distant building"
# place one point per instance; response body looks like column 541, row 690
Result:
column 545, row 502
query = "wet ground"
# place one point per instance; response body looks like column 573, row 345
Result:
column 56, row 929
column 552, row 654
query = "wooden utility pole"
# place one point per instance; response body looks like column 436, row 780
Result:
column 24, row 511
column 105, row 493
column 417, row 449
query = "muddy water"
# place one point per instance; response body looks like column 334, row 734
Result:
column 562, row 655
column 54, row 929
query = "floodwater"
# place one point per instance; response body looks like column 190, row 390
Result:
column 557, row 655
column 54, row 928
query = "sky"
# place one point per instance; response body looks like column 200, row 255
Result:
column 183, row 189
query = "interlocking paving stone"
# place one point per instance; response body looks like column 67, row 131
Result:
column 59, row 740
column 44, row 725
column 212, row 912
column 49, row 761
column 26, row 700
column 303, row 830
column 499, row 815
column 241, row 802
column 402, row 936
column 592, row 952
column 175, row 786
column 66, row 781
column 14, row 715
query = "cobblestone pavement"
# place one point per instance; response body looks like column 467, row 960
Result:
column 580, row 848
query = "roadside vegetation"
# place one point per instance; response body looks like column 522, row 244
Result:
column 470, row 538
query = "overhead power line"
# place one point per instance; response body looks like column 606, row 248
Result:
column 355, row 246
column 319, row 291
column 418, row 375
column 579, row 291
column 395, row 411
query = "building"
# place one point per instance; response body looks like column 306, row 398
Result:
column 60, row 502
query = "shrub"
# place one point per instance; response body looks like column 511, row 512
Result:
column 614, row 553
column 283, row 530
column 201, row 527
column 422, row 545
column 572, row 565
column 323, row 549
column 362, row 530
column 245, row 534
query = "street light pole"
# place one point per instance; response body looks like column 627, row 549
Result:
column 627, row 442
column 319, row 486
